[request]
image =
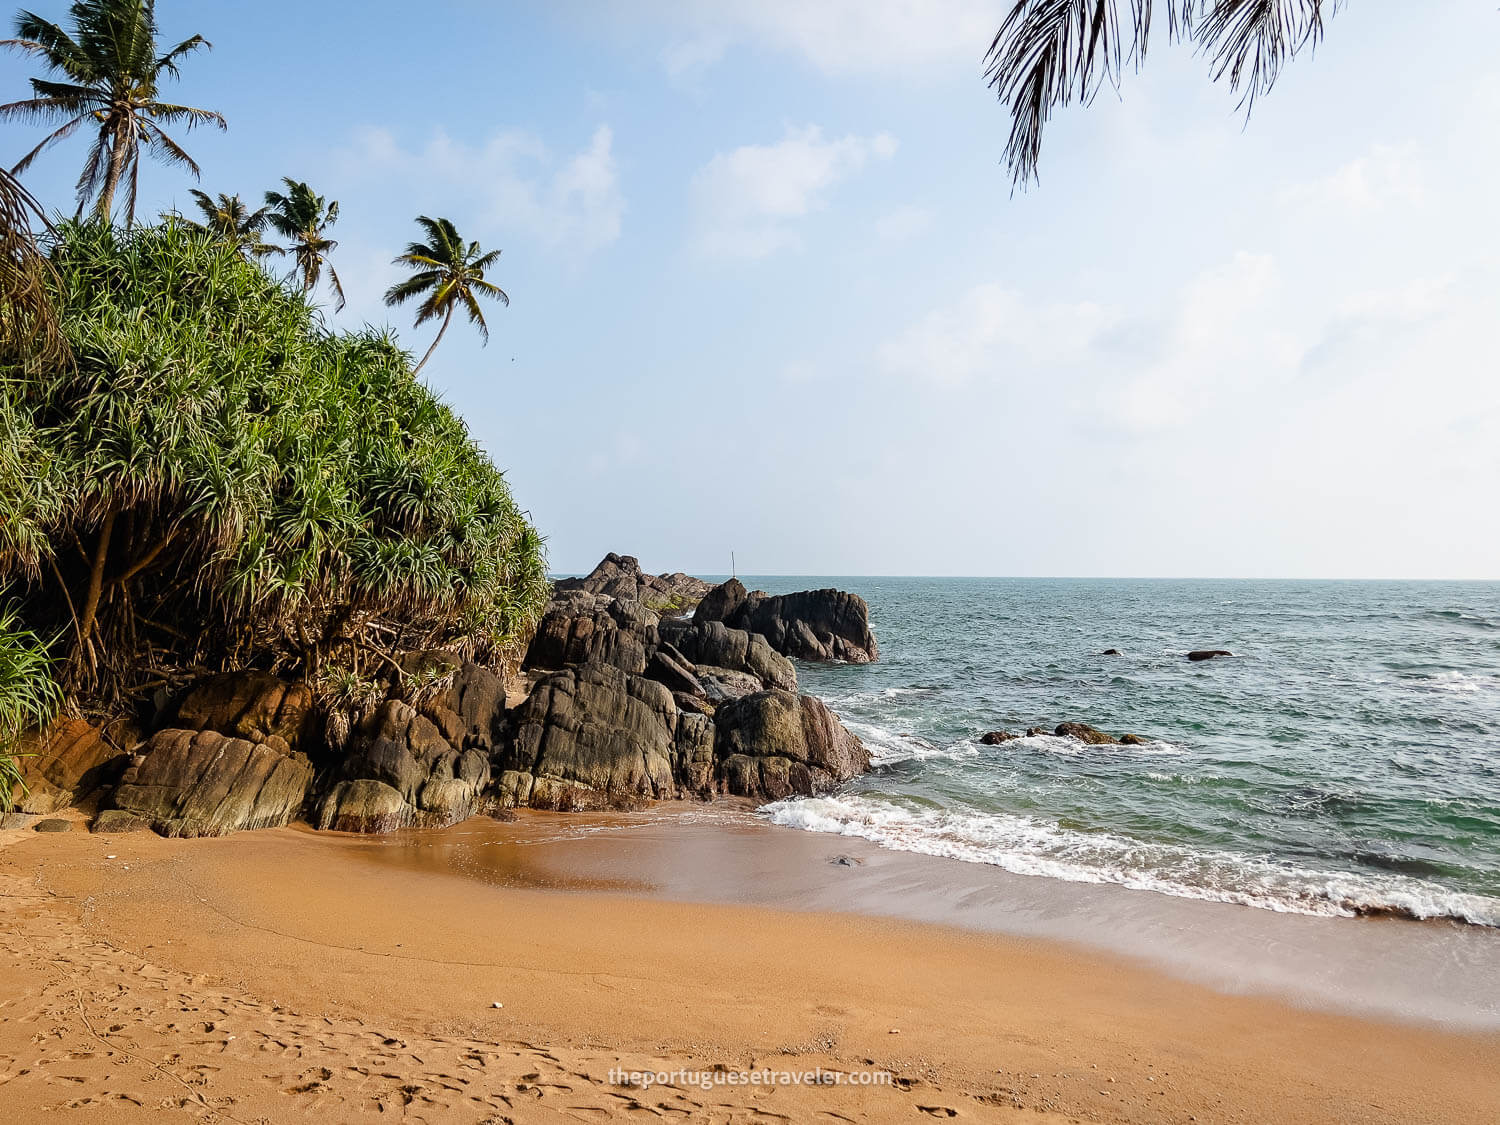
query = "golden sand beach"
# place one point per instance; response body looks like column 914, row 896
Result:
column 286, row 976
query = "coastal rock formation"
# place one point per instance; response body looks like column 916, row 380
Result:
column 468, row 710
column 401, row 772
column 581, row 627
column 595, row 735
column 1080, row 732
column 775, row 744
column 1208, row 654
column 823, row 625
column 255, row 706
column 203, row 783
column 65, row 765
column 1085, row 733
column 716, row 646
column 620, row 576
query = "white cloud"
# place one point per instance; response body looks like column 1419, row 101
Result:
column 1222, row 334
column 904, row 223
column 748, row 201
column 840, row 36
column 1385, row 175
column 993, row 331
column 515, row 179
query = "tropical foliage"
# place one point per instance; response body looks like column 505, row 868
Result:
column 218, row 481
column 449, row 275
column 106, row 75
column 303, row 217
column 1051, row 53
column 229, row 219
column 29, row 696
column 28, row 324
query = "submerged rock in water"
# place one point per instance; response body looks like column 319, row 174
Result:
column 998, row 737
column 203, row 783
column 1085, row 733
column 1110, row 652
column 1208, row 654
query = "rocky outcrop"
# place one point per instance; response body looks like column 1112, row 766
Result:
column 620, row 576
column 401, row 772
column 467, row 708
column 1085, row 733
column 776, row 744
column 595, row 736
column 714, row 645
column 60, row 768
column 580, row 627
column 1080, row 732
column 1201, row 654
column 204, row 783
column 824, row 625
column 255, row 706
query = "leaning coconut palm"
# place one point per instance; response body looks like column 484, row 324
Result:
column 1050, row 53
column 450, row 274
column 28, row 322
column 229, row 219
column 108, row 76
column 301, row 216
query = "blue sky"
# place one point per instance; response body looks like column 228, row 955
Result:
column 772, row 292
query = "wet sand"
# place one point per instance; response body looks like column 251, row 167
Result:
column 285, row 975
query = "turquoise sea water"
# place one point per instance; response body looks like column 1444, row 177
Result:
column 1346, row 760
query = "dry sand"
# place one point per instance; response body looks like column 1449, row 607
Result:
column 286, row 976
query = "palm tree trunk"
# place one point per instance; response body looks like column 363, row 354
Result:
column 446, row 320
column 112, row 177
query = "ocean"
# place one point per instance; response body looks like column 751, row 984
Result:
column 1345, row 760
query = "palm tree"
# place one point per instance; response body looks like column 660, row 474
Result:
column 301, row 216
column 1050, row 53
column 229, row 218
column 109, row 75
column 449, row 274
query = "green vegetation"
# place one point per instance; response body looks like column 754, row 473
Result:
column 218, row 481
column 108, row 73
column 449, row 274
column 302, row 216
column 29, row 696
column 195, row 473
column 1051, row 53
column 28, row 326
column 229, row 219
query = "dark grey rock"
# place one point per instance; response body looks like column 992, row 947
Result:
column 776, row 744
column 580, row 627
column 822, row 625
column 203, row 783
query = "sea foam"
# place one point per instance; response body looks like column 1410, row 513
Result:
column 1033, row 846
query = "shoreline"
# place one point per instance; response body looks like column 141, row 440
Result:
column 286, row 972
column 1426, row 972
